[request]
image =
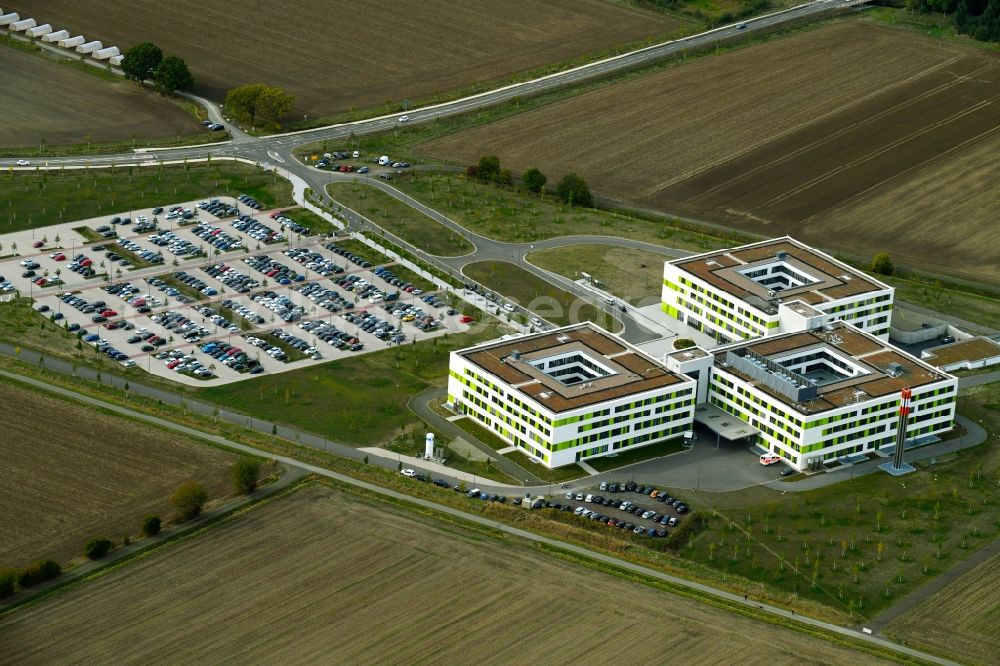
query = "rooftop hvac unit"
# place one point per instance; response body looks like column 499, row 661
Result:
column 781, row 255
column 894, row 369
column 515, row 355
column 563, row 338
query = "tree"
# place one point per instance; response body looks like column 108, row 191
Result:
column 140, row 61
column 97, row 548
column 173, row 74
column 534, row 180
column 244, row 473
column 488, row 167
column 151, row 525
column 573, row 190
column 39, row 572
column 259, row 101
column 188, row 500
column 882, row 264
column 7, row 579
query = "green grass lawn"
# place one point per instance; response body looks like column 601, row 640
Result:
column 316, row 224
column 629, row 274
column 505, row 214
column 551, row 303
column 185, row 289
column 861, row 545
column 400, row 219
column 659, row 450
column 37, row 199
column 976, row 308
column 358, row 400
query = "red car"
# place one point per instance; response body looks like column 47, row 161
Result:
column 465, row 319
column 60, row 257
column 275, row 214
column 37, row 244
column 109, row 313
column 41, row 281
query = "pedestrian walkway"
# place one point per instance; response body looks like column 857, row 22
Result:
column 587, row 468
column 509, row 449
column 456, row 417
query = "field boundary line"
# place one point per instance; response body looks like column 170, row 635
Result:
column 777, row 612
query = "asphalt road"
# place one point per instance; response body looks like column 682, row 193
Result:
column 785, row 615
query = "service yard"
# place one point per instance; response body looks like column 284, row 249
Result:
column 797, row 135
column 323, row 575
column 219, row 290
column 370, row 57
column 45, row 103
column 72, row 473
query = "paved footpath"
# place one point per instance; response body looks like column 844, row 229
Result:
column 781, row 613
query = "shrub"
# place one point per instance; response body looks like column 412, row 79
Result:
column 97, row 548
column 534, row 180
column 244, row 473
column 8, row 578
column 151, row 525
column 573, row 190
column 188, row 500
column 489, row 167
column 39, row 572
column 882, row 264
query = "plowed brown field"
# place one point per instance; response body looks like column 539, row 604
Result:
column 70, row 473
column 340, row 55
column 819, row 135
column 319, row 576
column 960, row 620
column 46, row 102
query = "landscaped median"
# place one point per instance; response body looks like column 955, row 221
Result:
column 541, row 297
column 400, row 219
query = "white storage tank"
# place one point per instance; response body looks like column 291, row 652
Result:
column 7, row 19
column 89, row 47
column 39, row 30
column 429, row 446
column 56, row 36
column 23, row 24
column 72, row 42
column 116, row 60
column 104, row 54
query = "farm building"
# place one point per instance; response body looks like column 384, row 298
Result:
column 570, row 394
column 770, row 288
column 965, row 355
column 834, row 392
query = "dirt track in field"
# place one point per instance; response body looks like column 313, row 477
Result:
column 818, row 135
column 71, row 473
column 44, row 101
column 340, row 55
column 320, row 576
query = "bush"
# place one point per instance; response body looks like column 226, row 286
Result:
column 244, row 473
column 882, row 264
column 8, row 578
column 573, row 190
column 188, row 500
column 151, row 525
column 488, row 168
column 39, row 572
column 534, row 180
column 97, row 548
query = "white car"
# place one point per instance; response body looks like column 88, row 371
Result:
column 408, row 472
column 535, row 321
column 508, row 307
column 404, row 119
column 23, row 163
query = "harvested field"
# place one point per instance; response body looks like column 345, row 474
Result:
column 305, row 578
column 960, row 620
column 36, row 107
column 71, row 473
column 798, row 135
column 344, row 55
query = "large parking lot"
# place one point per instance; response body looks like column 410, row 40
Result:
column 214, row 291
